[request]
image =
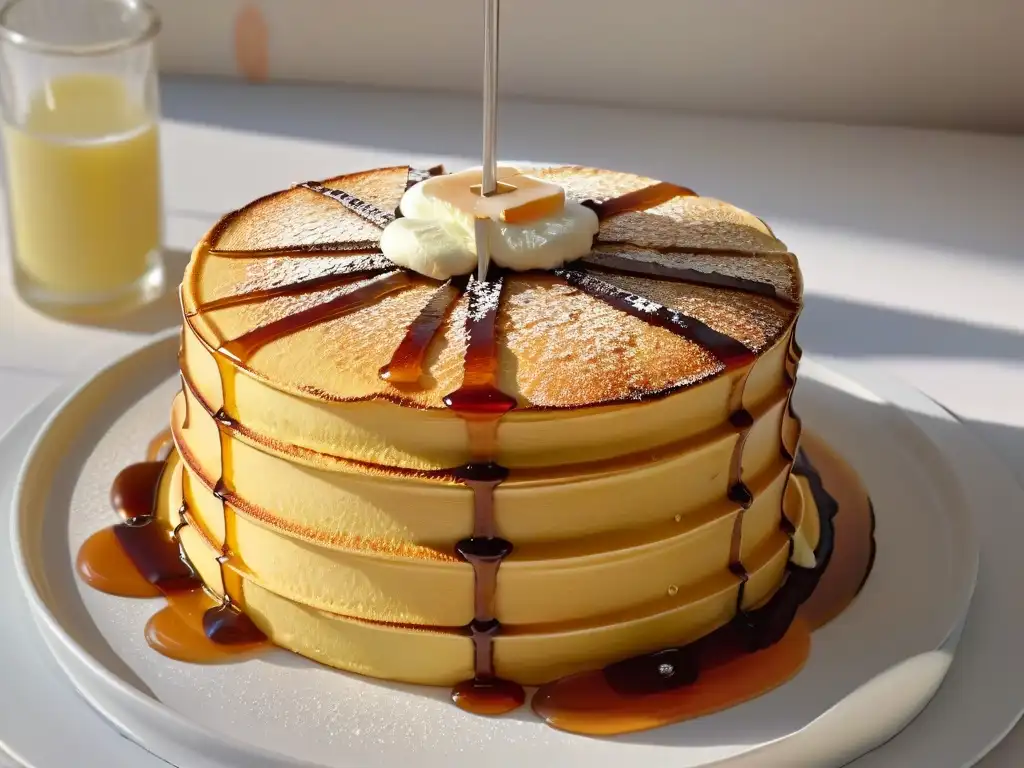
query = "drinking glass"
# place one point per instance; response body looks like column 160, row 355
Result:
column 80, row 109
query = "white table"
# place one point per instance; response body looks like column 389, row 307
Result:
column 910, row 241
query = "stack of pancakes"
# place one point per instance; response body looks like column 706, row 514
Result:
column 326, row 501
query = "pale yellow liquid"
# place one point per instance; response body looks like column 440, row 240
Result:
column 84, row 186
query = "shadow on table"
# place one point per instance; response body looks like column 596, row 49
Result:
column 850, row 329
column 845, row 328
column 158, row 315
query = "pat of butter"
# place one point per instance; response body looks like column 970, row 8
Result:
column 533, row 225
column 520, row 199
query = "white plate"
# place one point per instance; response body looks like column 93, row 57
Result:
column 910, row 610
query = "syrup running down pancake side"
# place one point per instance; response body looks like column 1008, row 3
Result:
column 140, row 557
column 491, row 484
column 481, row 405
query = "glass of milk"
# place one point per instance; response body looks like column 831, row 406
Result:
column 80, row 108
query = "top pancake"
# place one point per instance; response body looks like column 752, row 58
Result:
column 558, row 346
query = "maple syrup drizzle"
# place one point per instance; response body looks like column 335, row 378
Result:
column 138, row 549
column 352, row 269
column 488, row 696
column 183, row 630
column 670, row 686
column 479, row 398
column 130, row 493
column 225, row 623
column 481, row 404
column 729, row 351
column 361, row 208
column 705, row 250
column 639, row 200
column 766, row 625
column 244, row 346
column 791, row 423
column 141, row 557
column 791, row 429
column 854, row 531
column 738, row 492
column 295, row 251
column 150, row 547
column 406, row 365
column 103, row 564
column 759, row 650
column 601, row 261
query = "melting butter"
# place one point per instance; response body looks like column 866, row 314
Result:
column 531, row 225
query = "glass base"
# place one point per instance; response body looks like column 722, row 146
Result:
column 147, row 288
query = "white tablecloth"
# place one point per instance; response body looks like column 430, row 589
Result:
column 909, row 240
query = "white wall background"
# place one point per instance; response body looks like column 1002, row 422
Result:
column 935, row 63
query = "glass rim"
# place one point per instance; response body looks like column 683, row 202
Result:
column 149, row 30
